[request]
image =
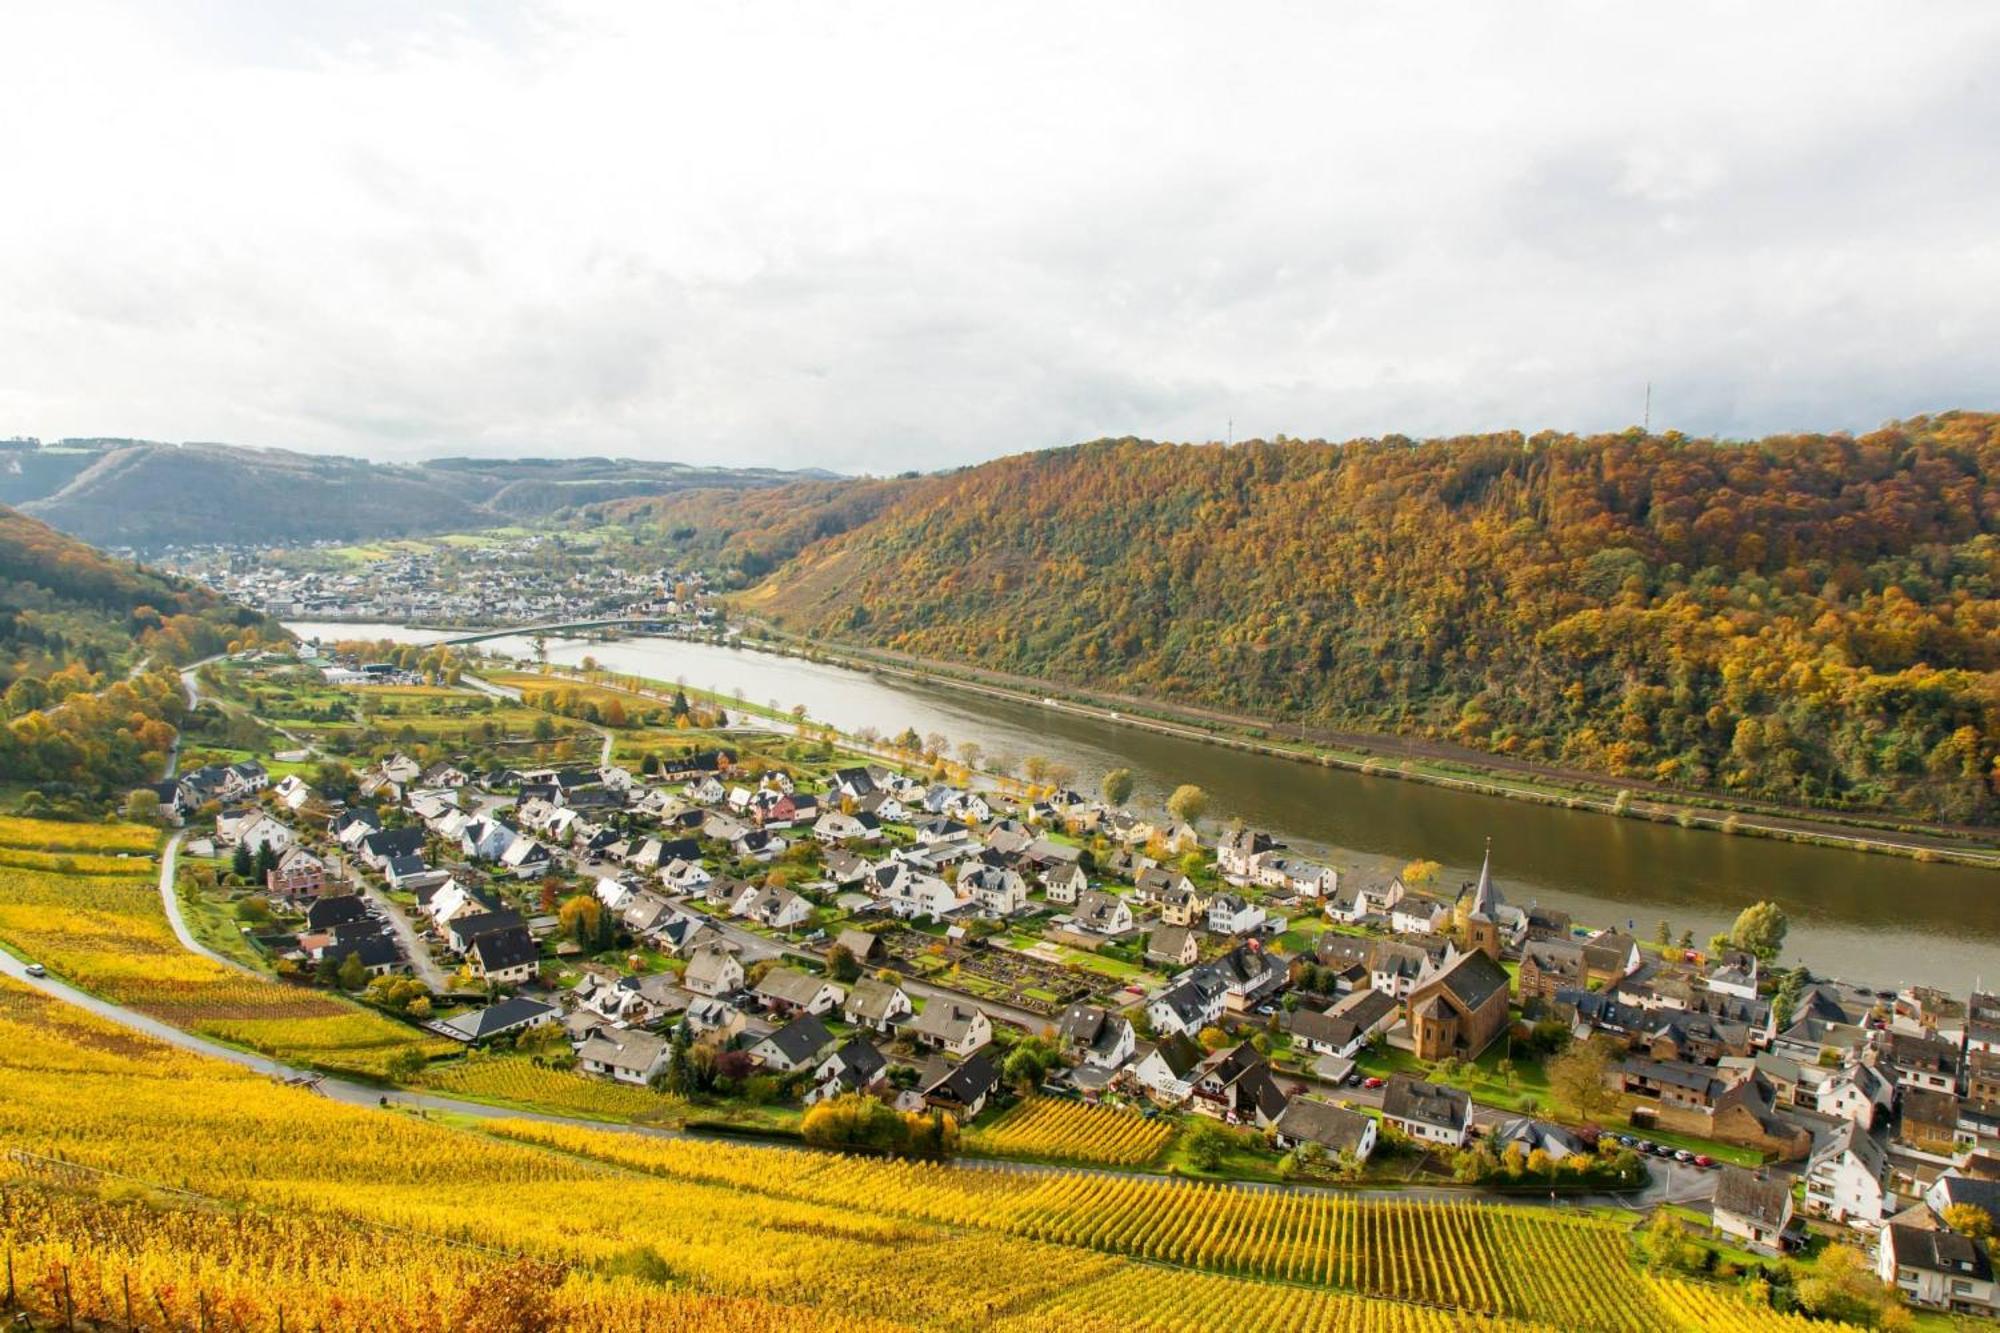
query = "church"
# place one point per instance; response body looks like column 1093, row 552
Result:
column 1461, row 1009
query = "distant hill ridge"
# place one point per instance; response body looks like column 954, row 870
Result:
column 1805, row 617
column 146, row 495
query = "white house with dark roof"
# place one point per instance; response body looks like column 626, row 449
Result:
column 1937, row 1268
column 1427, row 1112
column 1753, row 1208
column 1094, row 1036
column 1847, row 1180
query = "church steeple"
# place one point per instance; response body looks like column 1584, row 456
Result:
column 1482, row 912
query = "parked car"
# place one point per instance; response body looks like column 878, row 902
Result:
column 1684, row 1156
column 1371, row 1082
column 37, row 970
column 1704, row 1161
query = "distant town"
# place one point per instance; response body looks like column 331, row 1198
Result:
column 477, row 581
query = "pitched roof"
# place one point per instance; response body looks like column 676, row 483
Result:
column 1332, row 1127
column 1409, row 1098
column 791, row 986
column 1938, row 1252
column 948, row 1020
column 498, row 950
column 479, row 1024
column 870, row 999
column 801, row 1039
column 1746, row 1195
column 1473, row 979
column 967, row 1081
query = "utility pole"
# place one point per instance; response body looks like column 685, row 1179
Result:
column 1649, row 407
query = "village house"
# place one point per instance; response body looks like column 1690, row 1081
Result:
column 714, row 1021
column 1064, row 883
column 504, row 957
column 628, row 1057
column 515, row 1014
column 1940, row 1269
column 786, row 990
column 996, row 891
column 877, row 1004
column 797, row 1045
column 1913, row 1061
column 1155, row 883
column 1173, row 946
column 1231, row 915
column 462, row 930
column 1345, row 1028
column 1611, row 957
column 1752, row 1209
column 713, row 970
column 1549, row 966
column 298, row 874
column 1236, row 853
column 1929, row 1122
column 1102, row 913
column 855, row 1067
column 1341, row 1132
column 1236, row 1085
column 1096, row 1037
column 1166, row 1068
column 1848, row 1179
column 1427, row 1112
column 955, row 1027
column 960, row 1090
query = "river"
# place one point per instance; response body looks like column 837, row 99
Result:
column 1875, row 919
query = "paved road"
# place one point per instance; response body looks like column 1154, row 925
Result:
column 170, row 899
column 427, row 968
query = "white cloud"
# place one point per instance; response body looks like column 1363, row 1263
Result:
column 885, row 236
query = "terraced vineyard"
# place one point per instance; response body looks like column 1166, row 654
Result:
column 224, row 1200
column 97, row 922
column 1533, row 1265
column 1058, row 1129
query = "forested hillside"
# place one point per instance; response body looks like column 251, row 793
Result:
column 1810, row 618
column 143, row 496
column 73, row 624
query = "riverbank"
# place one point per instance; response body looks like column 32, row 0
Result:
column 1520, row 782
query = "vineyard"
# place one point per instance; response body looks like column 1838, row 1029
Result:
column 513, row 1078
column 98, row 923
column 1055, row 1128
column 54, row 835
column 1526, row 1264
column 345, row 1217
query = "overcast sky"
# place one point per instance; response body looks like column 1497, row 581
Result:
column 877, row 237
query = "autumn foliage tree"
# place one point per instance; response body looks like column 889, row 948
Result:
column 1809, row 619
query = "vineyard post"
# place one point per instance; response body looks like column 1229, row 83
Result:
column 69, row 1303
column 10, row 1277
column 130, row 1322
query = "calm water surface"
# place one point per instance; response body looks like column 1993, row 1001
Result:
column 1882, row 920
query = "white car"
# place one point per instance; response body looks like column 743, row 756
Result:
column 37, row 970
